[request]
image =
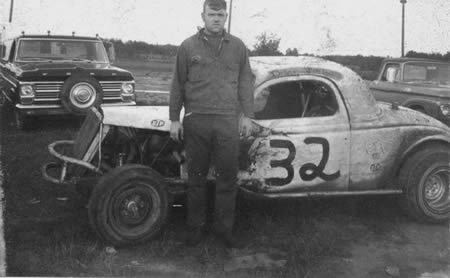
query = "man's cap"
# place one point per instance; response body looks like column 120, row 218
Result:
column 215, row 4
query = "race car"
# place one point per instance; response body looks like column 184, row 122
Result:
column 317, row 131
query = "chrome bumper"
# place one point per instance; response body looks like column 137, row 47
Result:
column 52, row 106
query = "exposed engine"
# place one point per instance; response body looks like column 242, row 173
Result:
column 124, row 145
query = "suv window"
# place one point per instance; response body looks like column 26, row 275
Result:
column 296, row 99
column 391, row 67
column 6, row 48
column 45, row 49
column 427, row 73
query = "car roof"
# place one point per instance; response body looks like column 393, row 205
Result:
column 58, row 37
column 357, row 97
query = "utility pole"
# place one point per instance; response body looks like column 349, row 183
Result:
column 229, row 17
column 403, row 26
column 11, row 7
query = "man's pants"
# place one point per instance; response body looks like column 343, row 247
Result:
column 211, row 140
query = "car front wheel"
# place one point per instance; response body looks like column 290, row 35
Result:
column 425, row 179
column 129, row 205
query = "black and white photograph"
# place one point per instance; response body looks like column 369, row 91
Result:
column 225, row 138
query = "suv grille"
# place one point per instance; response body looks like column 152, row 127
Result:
column 50, row 92
column 111, row 90
column 47, row 92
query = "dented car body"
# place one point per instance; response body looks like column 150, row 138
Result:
column 317, row 131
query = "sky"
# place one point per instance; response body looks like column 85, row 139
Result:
column 321, row 27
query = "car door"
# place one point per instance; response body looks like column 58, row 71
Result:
column 297, row 151
column 389, row 88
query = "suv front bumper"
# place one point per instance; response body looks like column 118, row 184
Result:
column 55, row 109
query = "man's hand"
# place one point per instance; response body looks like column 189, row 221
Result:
column 245, row 126
column 176, row 131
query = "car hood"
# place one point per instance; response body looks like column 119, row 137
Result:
column 147, row 117
column 56, row 69
column 436, row 90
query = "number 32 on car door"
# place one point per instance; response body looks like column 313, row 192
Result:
column 300, row 161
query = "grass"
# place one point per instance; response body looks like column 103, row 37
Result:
column 155, row 66
column 149, row 75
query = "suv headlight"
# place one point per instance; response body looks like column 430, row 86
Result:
column 26, row 91
column 445, row 109
column 127, row 88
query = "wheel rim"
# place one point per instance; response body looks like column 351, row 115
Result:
column 436, row 188
column 134, row 209
column 82, row 95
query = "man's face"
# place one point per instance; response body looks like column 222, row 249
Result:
column 214, row 19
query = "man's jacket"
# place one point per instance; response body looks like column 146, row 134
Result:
column 212, row 82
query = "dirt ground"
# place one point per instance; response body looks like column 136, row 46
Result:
column 47, row 231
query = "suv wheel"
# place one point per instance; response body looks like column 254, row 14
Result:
column 22, row 121
column 2, row 99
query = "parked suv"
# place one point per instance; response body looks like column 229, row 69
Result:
column 46, row 74
column 419, row 84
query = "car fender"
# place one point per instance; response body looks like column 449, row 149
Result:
column 430, row 107
column 146, row 117
column 420, row 144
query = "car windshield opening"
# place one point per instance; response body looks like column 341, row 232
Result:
column 73, row 50
column 295, row 99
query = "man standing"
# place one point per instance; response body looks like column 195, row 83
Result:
column 214, row 83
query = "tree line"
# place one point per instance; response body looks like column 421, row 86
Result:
column 135, row 49
column 268, row 45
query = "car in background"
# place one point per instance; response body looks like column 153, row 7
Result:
column 317, row 131
column 47, row 75
column 419, row 84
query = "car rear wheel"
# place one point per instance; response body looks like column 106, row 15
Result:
column 425, row 179
column 80, row 93
column 129, row 205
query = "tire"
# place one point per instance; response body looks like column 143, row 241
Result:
column 3, row 99
column 23, row 122
column 129, row 205
column 80, row 93
column 425, row 179
column 7, row 112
